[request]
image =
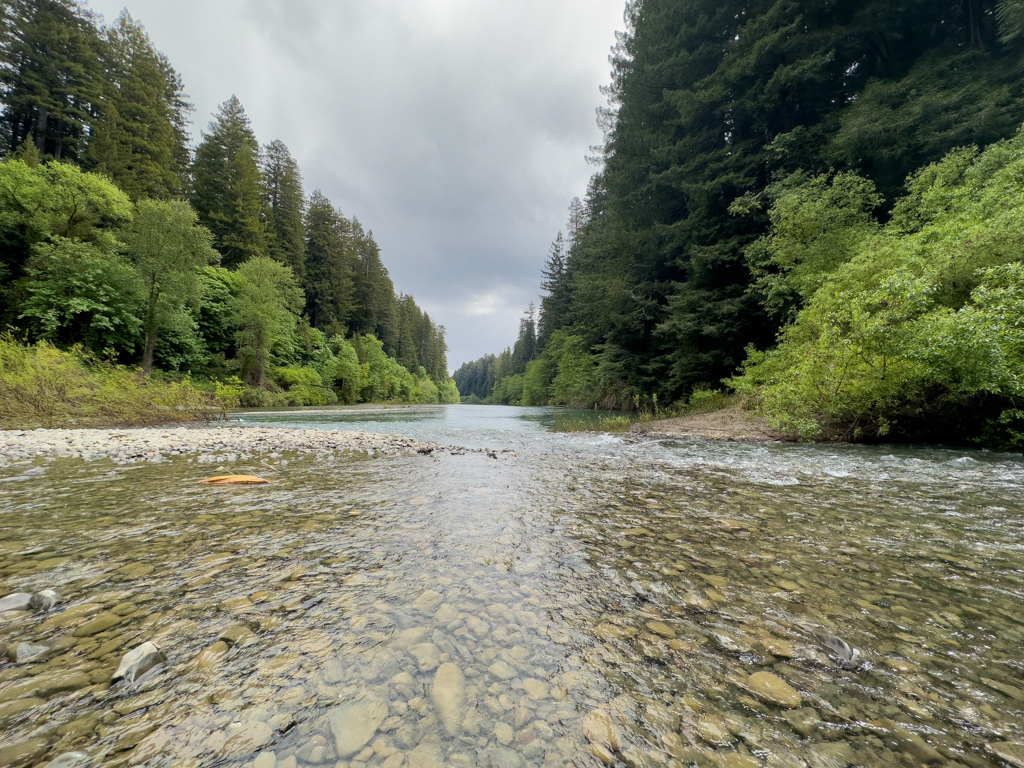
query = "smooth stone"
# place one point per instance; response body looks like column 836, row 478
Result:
column 44, row 600
column 606, row 631
column 210, row 657
column 661, row 628
column 637, row 758
column 46, row 685
column 354, row 724
column 427, row 755
column 68, row 760
column 505, row 758
column 781, row 648
column 236, row 634
column 427, row 600
column 773, row 690
column 12, row 709
column 250, row 737
column 602, row 753
column 501, row 670
column 410, row 637
column 26, row 651
column 599, row 728
column 427, row 655
column 535, row 689
column 714, row 731
column 101, row 623
column 503, row 733
column 736, row 760
column 138, row 661
column 449, row 696
column 803, row 721
column 265, row 759
column 23, row 752
column 1010, row 751
column 19, row 601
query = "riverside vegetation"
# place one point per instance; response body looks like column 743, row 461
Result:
column 817, row 207
column 212, row 270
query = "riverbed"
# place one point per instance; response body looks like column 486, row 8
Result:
column 546, row 597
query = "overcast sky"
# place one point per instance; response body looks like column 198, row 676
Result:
column 455, row 129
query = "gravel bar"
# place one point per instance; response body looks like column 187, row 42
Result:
column 211, row 445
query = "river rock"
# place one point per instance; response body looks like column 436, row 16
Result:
column 450, row 696
column 599, row 728
column 12, row 709
column 265, row 759
column 427, row 654
column 354, row 724
column 26, row 651
column 43, row 601
column 501, row 670
column 1010, row 751
column 19, row 601
column 535, row 689
column 69, row 760
column 505, row 758
column 22, row 753
column 101, row 623
column 773, row 690
column 138, row 661
column 661, row 628
column 427, row 755
column 427, row 601
column 248, row 738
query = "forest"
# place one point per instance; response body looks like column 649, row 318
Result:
column 124, row 245
column 815, row 205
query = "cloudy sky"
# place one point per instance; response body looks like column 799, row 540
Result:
column 455, row 129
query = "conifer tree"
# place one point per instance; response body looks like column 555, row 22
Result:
column 554, row 307
column 227, row 185
column 140, row 140
column 51, row 81
column 284, row 204
column 330, row 262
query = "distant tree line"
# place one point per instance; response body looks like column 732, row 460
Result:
column 691, row 254
column 115, row 236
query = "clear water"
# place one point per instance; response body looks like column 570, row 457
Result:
column 603, row 598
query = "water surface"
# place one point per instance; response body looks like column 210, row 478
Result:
column 601, row 598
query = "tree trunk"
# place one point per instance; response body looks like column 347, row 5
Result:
column 41, row 130
column 58, row 149
column 147, row 357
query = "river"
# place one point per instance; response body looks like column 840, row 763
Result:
column 580, row 599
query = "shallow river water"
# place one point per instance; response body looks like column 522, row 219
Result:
column 588, row 600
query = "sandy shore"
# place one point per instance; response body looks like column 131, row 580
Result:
column 210, row 445
column 730, row 424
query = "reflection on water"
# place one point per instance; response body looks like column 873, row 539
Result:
column 590, row 601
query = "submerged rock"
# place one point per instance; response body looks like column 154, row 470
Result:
column 23, row 752
column 69, row 760
column 43, row 601
column 450, row 696
column 138, row 661
column 1010, row 751
column 354, row 724
column 19, row 601
column 841, row 651
column 26, row 651
column 773, row 690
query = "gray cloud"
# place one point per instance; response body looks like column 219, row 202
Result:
column 454, row 129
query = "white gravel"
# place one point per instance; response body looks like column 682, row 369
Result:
column 210, row 445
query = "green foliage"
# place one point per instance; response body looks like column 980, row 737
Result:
column 140, row 139
column 75, row 293
column 168, row 250
column 576, row 383
column 264, row 312
column 41, row 386
column 226, row 185
column 925, row 313
column 330, row 263
column 284, row 204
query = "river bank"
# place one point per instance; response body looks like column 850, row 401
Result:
column 732, row 424
column 210, row 445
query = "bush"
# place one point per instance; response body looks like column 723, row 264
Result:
column 41, row 386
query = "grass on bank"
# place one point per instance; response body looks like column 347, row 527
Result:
column 42, row 386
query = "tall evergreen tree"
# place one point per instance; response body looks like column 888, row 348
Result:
column 51, row 80
column 375, row 310
column 226, row 185
column 140, row 140
column 554, row 307
column 410, row 320
column 284, row 203
column 330, row 262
